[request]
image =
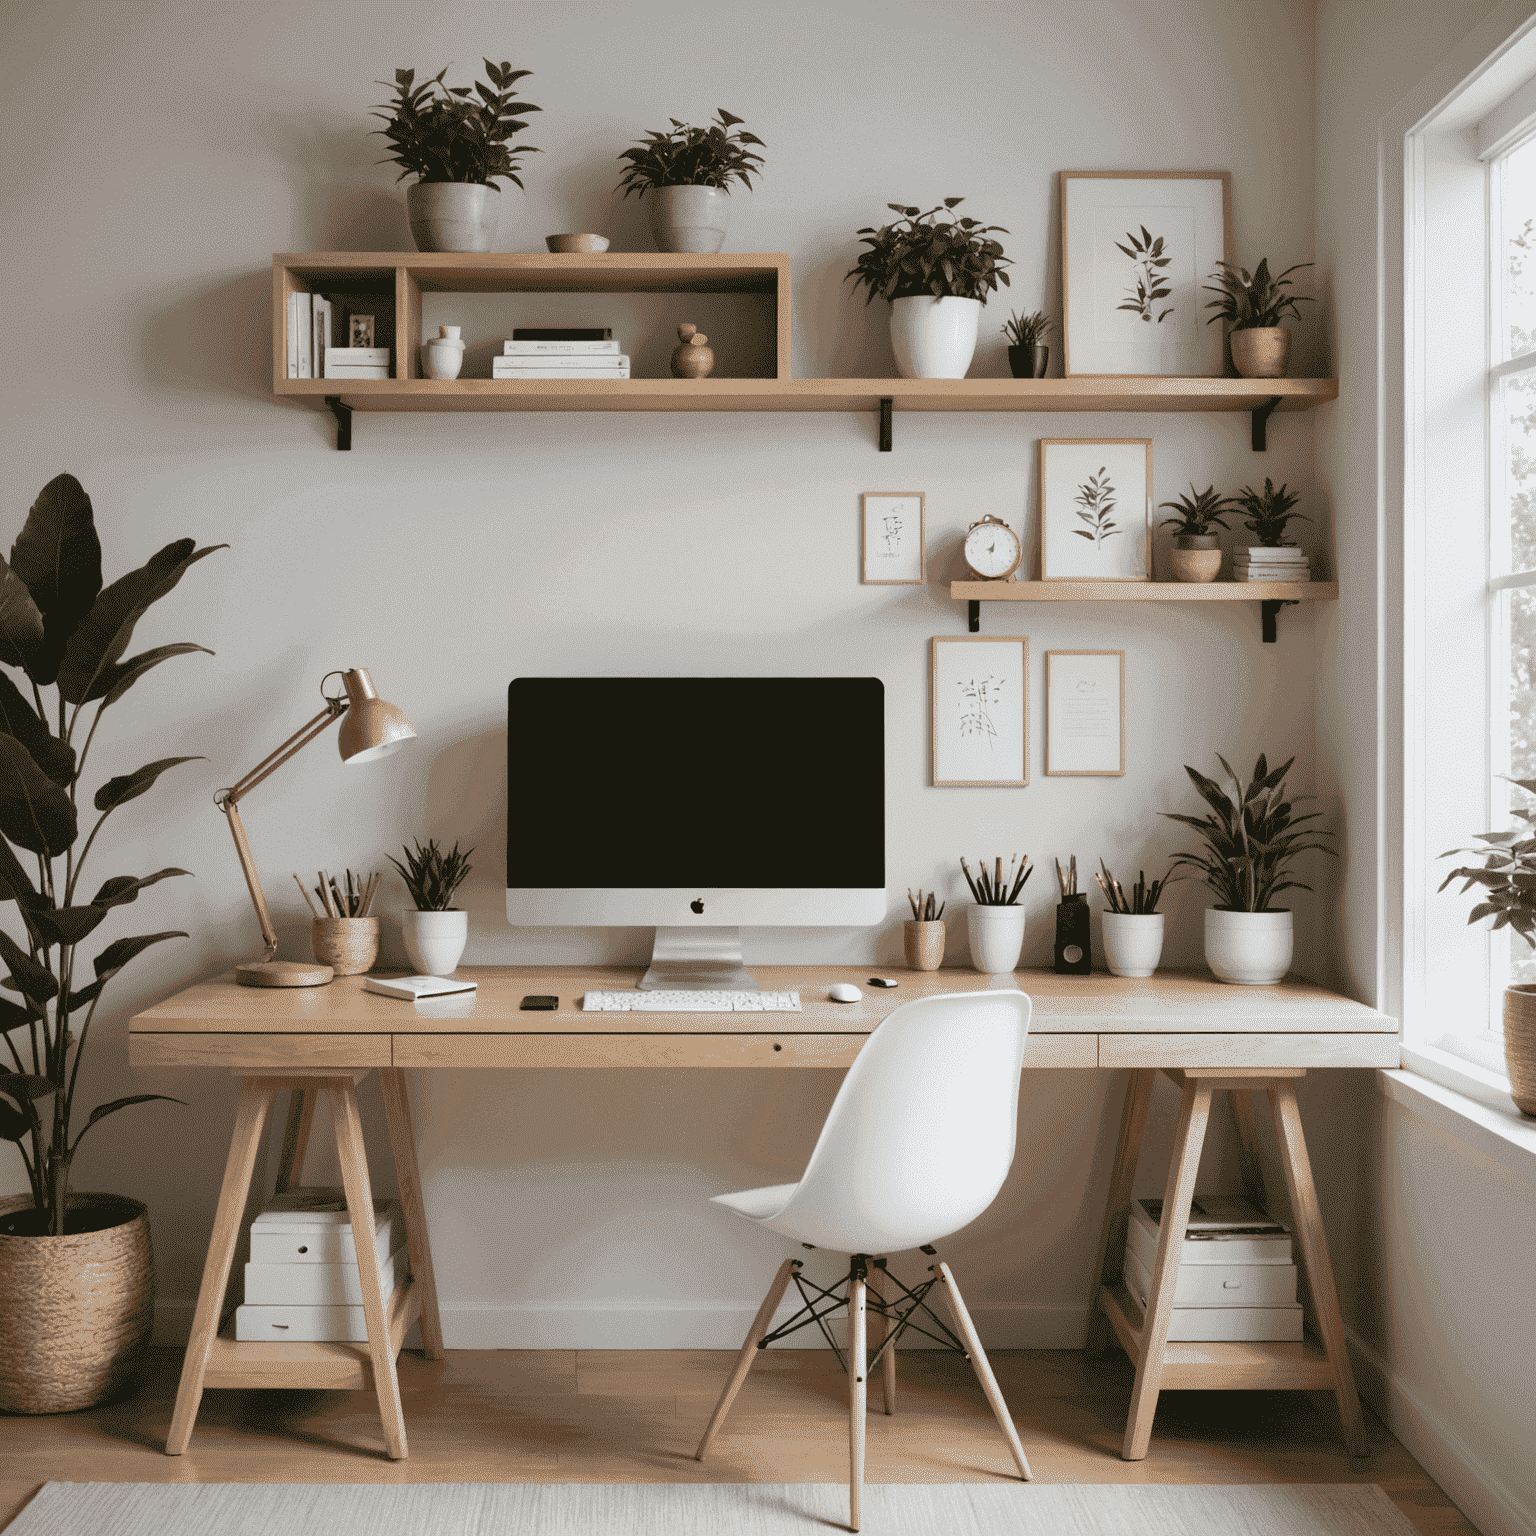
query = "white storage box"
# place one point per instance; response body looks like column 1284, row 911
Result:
column 1224, row 1285
column 1221, row 1230
column 1246, row 1325
column 317, row 1285
column 311, row 1226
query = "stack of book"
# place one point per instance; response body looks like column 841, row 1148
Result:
column 561, row 353
column 357, row 363
column 309, row 335
column 1265, row 564
column 1237, row 1275
column 302, row 1284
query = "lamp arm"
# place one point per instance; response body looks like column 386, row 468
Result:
column 252, row 881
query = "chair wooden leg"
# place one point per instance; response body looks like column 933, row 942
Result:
column 290, row 1165
column 402, row 1143
column 858, row 1366
column 1308, row 1217
column 880, row 1330
column 749, row 1352
column 1109, row 1265
column 354, row 1177
column 981, row 1365
column 244, row 1145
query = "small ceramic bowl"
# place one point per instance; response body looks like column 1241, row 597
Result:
column 589, row 243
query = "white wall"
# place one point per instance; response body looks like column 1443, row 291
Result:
column 156, row 154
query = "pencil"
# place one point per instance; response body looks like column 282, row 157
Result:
column 305, row 894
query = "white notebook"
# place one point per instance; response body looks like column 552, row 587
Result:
column 413, row 987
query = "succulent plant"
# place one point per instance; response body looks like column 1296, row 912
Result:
column 1269, row 512
column 1254, row 301
column 1199, row 512
column 921, row 253
column 1028, row 331
column 692, row 157
column 432, row 876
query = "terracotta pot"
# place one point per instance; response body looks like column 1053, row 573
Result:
column 349, row 945
column 1261, row 353
column 1195, row 557
column 75, row 1311
column 1520, row 1046
column 924, row 944
column 453, row 215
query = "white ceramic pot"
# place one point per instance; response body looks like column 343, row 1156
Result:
column 453, row 215
column 1249, row 949
column 1133, row 942
column 997, row 937
column 689, row 218
column 934, row 338
column 444, row 354
column 435, row 940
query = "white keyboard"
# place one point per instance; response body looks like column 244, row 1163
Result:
column 690, row 1002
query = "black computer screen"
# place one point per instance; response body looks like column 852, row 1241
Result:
column 754, row 783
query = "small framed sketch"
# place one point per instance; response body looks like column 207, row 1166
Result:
column 1095, row 508
column 360, row 330
column 980, row 710
column 893, row 538
column 1085, row 713
column 1135, row 251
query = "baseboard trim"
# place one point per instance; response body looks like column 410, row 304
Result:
column 1476, row 1491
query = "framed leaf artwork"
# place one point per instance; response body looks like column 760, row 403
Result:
column 1095, row 508
column 980, row 702
column 1136, row 248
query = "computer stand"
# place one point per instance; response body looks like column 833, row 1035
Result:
column 697, row 960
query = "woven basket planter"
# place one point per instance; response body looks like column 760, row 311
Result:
column 75, row 1312
column 1520, row 1046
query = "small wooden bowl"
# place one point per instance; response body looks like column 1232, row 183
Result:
column 349, row 945
column 591, row 244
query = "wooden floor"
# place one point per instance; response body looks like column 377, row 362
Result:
column 636, row 1416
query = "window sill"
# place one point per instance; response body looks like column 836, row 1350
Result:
column 1453, row 1070
column 1498, row 1131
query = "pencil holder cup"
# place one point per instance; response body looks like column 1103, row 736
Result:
column 349, row 945
column 997, row 937
column 924, row 944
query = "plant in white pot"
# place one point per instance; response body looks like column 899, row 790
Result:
column 997, row 920
column 1506, row 887
column 1254, row 304
column 456, row 142
column 1252, row 843
column 1268, row 514
column 435, row 931
column 689, row 172
column 1196, row 552
column 1132, row 925
column 936, row 274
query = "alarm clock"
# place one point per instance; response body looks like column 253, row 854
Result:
column 992, row 549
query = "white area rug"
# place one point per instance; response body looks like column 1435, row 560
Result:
column 704, row 1509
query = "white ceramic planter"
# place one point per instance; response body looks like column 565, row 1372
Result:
column 934, row 338
column 435, row 940
column 689, row 218
column 1249, row 949
column 1133, row 942
column 997, row 937
column 453, row 215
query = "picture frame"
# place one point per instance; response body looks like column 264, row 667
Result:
column 1084, row 714
column 360, row 330
column 1136, row 249
column 979, row 735
column 893, row 538
column 1095, row 508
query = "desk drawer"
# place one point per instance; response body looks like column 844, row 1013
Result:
column 1249, row 1051
column 276, row 1051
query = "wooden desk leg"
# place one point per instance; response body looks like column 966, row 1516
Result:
column 402, row 1143
column 354, row 1177
column 1194, row 1112
column 1308, row 1217
column 1110, row 1263
column 290, row 1166
column 1248, row 1149
column 244, row 1146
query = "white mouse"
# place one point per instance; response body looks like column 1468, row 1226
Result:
column 844, row 992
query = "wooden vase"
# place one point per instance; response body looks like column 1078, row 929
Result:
column 1261, row 353
column 349, row 945
column 1520, row 1046
column 924, row 945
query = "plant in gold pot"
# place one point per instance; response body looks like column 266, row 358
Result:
column 1254, row 304
column 1196, row 552
column 76, row 1273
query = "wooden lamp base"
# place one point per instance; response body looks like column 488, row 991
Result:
column 282, row 973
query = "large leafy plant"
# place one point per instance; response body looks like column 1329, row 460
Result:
column 922, row 253
column 454, row 132
column 1252, row 841
column 62, row 630
column 714, row 156
column 1254, row 301
column 1506, row 880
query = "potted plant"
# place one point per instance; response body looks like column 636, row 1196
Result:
column 77, row 1283
column 1132, row 925
column 1506, row 887
column 1028, row 355
column 997, row 920
column 922, row 938
column 1269, row 513
column 690, row 171
column 435, row 931
column 1252, row 844
column 1254, row 305
column 936, row 273
column 456, row 142
column 1196, row 552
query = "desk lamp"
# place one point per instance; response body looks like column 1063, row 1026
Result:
column 372, row 729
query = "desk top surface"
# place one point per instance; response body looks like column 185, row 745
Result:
column 1172, row 1002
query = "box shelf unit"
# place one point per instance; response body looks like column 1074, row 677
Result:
column 398, row 280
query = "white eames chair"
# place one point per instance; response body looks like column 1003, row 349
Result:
column 916, row 1146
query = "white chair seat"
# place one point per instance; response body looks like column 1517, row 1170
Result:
column 757, row 1204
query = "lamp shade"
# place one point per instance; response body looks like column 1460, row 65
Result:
column 372, row 727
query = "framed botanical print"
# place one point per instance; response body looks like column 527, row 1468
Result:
column 1085, row 713
column 1136, row 247
column 893, row 538
column 980, row 733
column 1095, row 508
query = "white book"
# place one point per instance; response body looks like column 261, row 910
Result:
column 301, row 1325
column 584, row 360
column 1244, row 575
column 1221, row 1230
column 312, row 1226
column 335, row 370
column 559, row 373
column 306, row 336
column 413, row 987
column 1218, row 1285
column 1245, row 1325
column 321, row 308
column 293, row 335
column 373, row 356
column 319, row 1285
column 560, row 348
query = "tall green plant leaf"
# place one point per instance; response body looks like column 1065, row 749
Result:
column 103, row 1110
column 58, row 556
column 129, row 786
column 121, row 889
column 36, row 982
column 21, row 623
column 115, row 681
column 118, row 953
column 19, row 719
column 35, row 813
column 67, row 925
column 13, row 1016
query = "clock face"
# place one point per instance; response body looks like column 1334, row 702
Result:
column 992, row 550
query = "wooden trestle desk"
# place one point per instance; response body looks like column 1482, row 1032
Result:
column 1206, row 1036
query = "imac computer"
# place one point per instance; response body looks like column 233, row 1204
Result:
column 699, row 806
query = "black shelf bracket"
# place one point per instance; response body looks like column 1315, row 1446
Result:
column 973, row 616
column 885, row 424
column 1260, row 417
column 343, row 414
column 1269, row 610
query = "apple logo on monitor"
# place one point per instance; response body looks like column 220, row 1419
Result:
column 696, row 905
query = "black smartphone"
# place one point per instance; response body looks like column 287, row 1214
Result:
column 537, row 1000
